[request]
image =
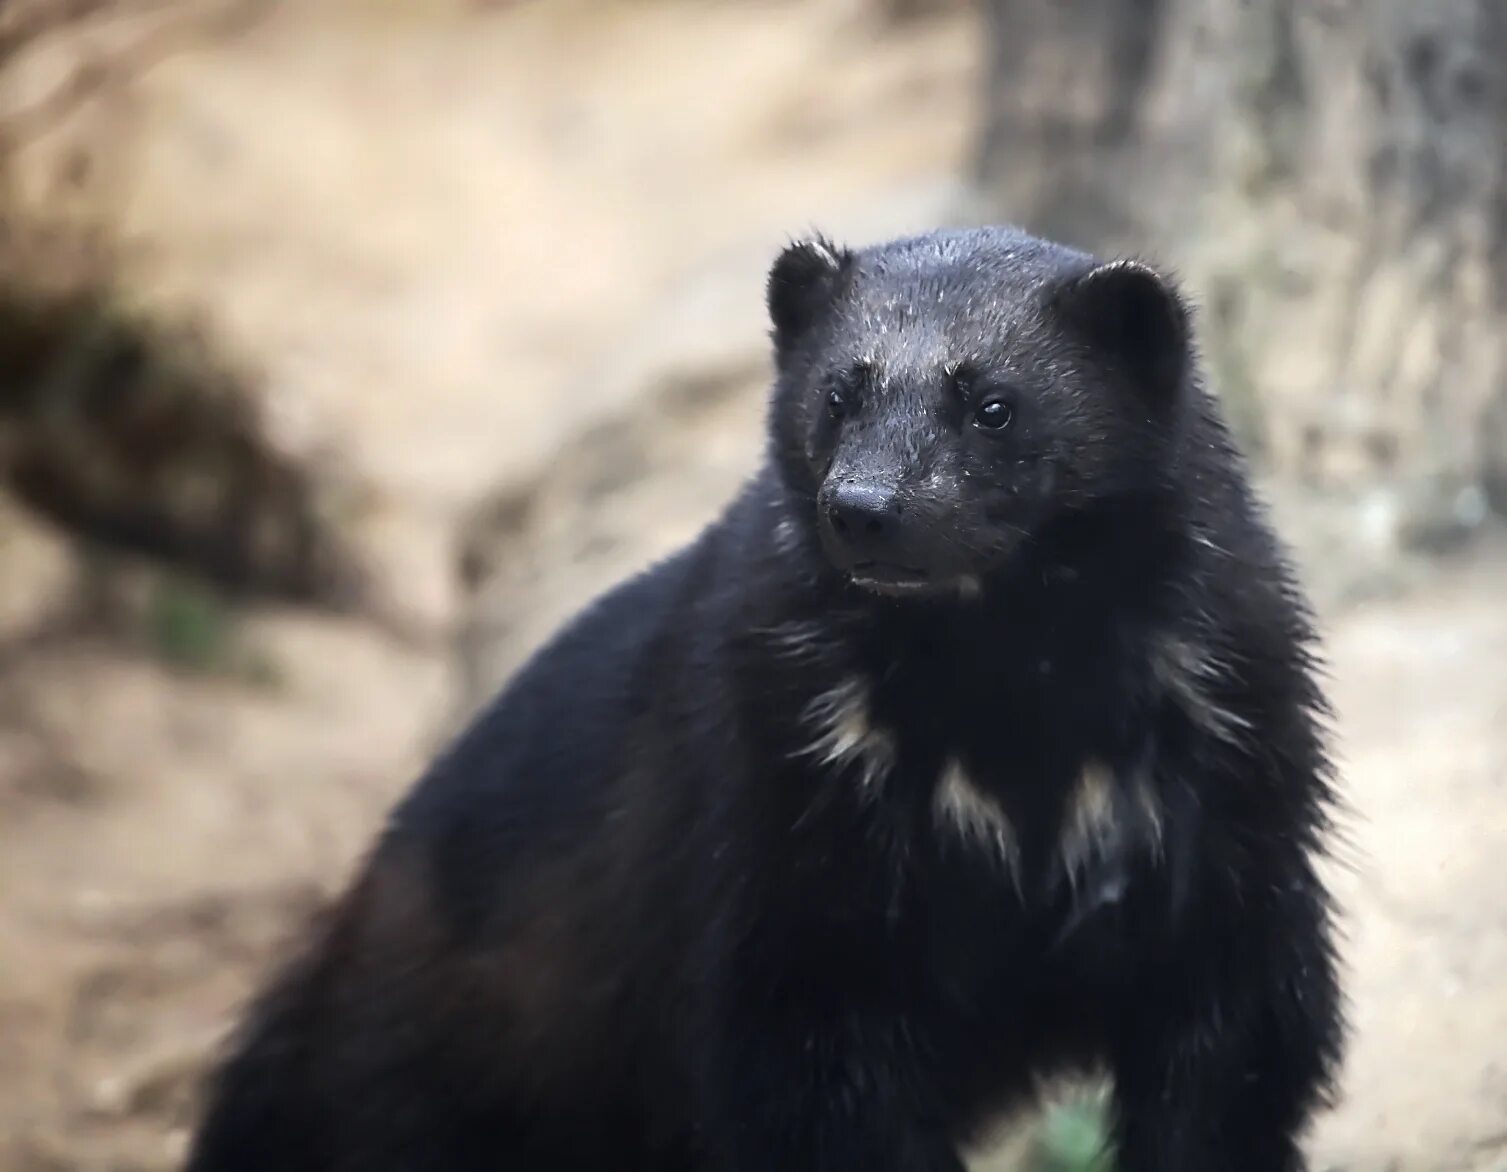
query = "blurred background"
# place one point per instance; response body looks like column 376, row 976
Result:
column 346, row 346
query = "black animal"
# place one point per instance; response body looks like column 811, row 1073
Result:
column 979, row 739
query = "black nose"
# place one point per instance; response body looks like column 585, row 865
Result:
column 862, row 516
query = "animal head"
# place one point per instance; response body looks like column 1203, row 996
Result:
column 943, row 398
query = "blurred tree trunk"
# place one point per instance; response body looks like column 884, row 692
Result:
column 1068, row 87
column 1330, row 178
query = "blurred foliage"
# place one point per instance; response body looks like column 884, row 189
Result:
column 140, row 437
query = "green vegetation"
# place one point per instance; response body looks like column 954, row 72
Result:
column 188, row 625
column 192, row 626
column 1073, row 1137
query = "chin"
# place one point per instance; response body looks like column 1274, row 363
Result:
column 893, row 582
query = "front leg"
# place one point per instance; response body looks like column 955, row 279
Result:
column 799, row 1091
column 1231, row 1043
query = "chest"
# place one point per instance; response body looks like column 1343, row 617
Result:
column 982, row 825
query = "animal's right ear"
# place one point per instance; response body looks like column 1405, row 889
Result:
column 805, row 279
column 1137, row 317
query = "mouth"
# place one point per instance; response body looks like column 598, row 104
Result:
column 882, row 578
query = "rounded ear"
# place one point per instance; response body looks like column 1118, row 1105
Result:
column 1136, row 317
column 805, row 279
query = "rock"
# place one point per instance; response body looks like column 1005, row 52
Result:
column 36, row 570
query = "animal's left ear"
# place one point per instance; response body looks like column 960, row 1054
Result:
column 1136, row 317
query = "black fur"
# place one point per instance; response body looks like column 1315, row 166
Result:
column 721, row 880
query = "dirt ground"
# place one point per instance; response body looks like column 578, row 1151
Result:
column 433, row 233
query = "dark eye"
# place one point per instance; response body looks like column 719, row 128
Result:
column 993, row 415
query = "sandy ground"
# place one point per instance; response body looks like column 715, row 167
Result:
column 1421, row 691
column 431, row 233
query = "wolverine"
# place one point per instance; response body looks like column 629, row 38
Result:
column 980, row 739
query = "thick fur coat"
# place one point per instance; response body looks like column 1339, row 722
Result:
column 979, row 739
